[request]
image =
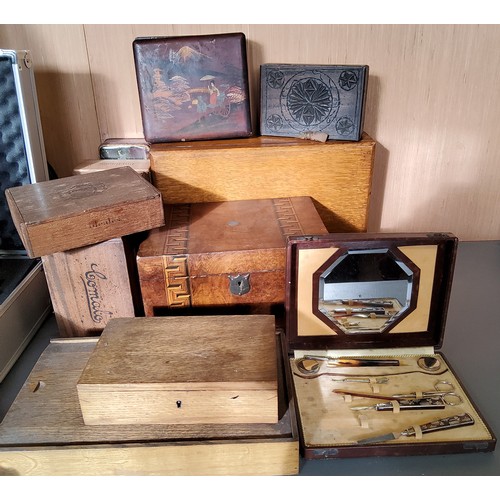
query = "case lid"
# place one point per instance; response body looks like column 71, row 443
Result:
column 370, row 290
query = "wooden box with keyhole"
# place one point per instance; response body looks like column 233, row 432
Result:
column 220, row 255
column 365, row 322
column 182, row 370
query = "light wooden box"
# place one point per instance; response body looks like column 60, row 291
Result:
column 337, row 175
column 182, row 370
column 43, row 432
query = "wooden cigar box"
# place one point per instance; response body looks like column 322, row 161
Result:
column 182, row 370
column 91, row 285
column 337, row 175
column 365, row 318
column 72, row 212
column 301, row 99
column 43, row 433
column 221, row 254
column 86, row 167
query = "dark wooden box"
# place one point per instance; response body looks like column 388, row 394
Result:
column 297, row 100
column 193, row 87
column 72, row 212
column 357, row 299
column 222, row 254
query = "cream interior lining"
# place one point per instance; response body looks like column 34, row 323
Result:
column 327, row 420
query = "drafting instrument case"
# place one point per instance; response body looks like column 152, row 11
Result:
column 24, row 297
column 353, row 299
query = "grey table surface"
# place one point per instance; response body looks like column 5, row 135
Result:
column 471, row 345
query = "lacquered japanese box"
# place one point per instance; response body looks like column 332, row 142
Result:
column 365, row 318
column 212, row 255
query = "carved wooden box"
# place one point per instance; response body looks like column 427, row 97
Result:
column 365, row 321
column 297, row 100
column 72, row 212
column 221, row 254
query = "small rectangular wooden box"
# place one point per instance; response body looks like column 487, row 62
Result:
column 80, row 210
column 222, row 254
column 91, row 285
column 124, row 149
column 330, row 279
column 299, row 99
column 337, row 175
column 182, row 370
column 89, row 166
column 43, row 432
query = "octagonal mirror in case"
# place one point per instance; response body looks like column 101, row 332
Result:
column 368, row 290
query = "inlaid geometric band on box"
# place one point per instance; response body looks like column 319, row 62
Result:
column 175, row 258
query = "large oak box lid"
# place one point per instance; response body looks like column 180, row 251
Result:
column 80, row 210
column 182, row 370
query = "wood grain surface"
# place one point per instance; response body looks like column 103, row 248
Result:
column 88, row 286
column 203, row 369
column 203, row 246
column 336, row 175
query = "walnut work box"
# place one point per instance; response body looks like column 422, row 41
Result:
column 182, row 370
column 63, row 214
column 297, row 100
column 365, row 320
column 337, row 175
column 221, row 254
column 43, row 432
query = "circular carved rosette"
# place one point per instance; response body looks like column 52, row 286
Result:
column 274, row 122
column 275, row 79
column 348, row 80
column 310, row 101
column 344, row 126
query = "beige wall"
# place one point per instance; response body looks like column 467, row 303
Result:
column 432, row 106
